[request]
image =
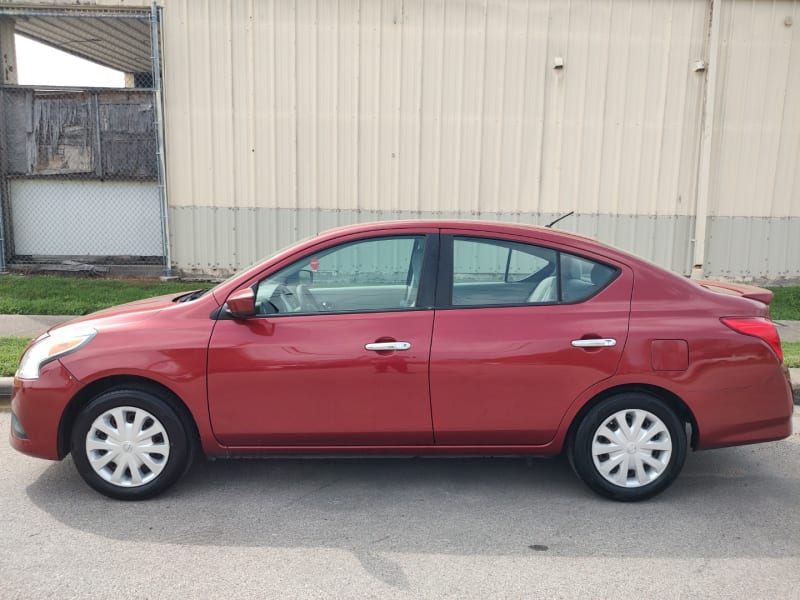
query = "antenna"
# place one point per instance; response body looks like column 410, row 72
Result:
column 562, row 217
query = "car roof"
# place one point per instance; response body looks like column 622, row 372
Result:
column 477, row 225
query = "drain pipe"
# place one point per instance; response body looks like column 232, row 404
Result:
column 706, row 138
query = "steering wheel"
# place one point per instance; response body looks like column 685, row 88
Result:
column 306, row 300
column 284, row 299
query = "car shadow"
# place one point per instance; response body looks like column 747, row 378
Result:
column 500, row 506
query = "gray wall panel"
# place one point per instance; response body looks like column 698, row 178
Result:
column 202, row 234
column 753, row 248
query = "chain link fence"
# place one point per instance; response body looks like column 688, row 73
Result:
column 81, row 178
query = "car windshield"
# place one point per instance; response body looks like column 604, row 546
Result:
column 261, row 260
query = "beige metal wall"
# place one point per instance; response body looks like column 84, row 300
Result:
column 285, row 117
column 757, row 138
column 754, row 196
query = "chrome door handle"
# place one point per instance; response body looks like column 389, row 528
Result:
column 595, row 343
column 378, row 346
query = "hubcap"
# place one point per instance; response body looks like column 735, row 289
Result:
column 631, row 448
column 127, row 446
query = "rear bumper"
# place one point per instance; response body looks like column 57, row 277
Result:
column 37, row 407
column 747, row 415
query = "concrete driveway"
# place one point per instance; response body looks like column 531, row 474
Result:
column 390, row 528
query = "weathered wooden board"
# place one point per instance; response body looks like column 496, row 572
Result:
column 85, row 134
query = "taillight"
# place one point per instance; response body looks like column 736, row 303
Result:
column 757, row 327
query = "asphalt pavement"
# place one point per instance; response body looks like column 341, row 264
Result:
column 415, row 528
column 33, row 325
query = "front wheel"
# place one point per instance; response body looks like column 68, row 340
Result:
column 629, row 447
column 129, row 444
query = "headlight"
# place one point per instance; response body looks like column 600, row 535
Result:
column 50, row 348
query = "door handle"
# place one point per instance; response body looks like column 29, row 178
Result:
column 383, row 346
column 595, row 343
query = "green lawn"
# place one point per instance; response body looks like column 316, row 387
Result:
column 786, row 305
column 43, row 295
column 10, row 350
column 791, row 353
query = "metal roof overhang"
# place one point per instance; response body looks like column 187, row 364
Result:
column 114, row 38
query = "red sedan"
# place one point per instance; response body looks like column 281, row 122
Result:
column 423, row 337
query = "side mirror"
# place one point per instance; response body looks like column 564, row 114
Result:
column 242, row 304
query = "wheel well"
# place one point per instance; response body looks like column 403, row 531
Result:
column 83, row 397
column 682, row 411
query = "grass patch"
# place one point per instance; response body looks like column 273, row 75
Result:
column 786, row 305
column 791, row 354
column 45, row 295
column 10, row 350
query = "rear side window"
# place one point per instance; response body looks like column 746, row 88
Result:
column 491, row 272
column 496, row 260
column 581, row 277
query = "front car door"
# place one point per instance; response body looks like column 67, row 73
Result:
column 338, row 352
column 523, row 329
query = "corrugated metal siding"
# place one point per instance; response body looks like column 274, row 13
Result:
column 756, row 147
column 436, row 107
column 754, row 205
column 94, row 32
column 88, row 5
column 122, row 44
column 753, row 248
column 220, row 240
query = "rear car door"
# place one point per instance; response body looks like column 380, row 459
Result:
column 522, row 329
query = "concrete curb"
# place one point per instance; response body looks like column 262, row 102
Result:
column 7, row 382
column 5, row 392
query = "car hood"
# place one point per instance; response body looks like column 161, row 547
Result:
column 121, row 314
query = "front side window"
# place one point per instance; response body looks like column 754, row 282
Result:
column 490, row 272
column 378, row 274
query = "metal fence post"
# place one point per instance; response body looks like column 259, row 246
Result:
column 158, row 112
column 4, row 200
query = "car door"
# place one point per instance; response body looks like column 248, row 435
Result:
column 337, row 353
column 522, row 330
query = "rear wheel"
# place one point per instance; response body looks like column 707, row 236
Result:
column 629, row 447
column 130, row 444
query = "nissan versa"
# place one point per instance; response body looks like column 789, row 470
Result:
column 413, row 338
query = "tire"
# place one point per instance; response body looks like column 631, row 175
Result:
column 138, row 460
column 646, row 447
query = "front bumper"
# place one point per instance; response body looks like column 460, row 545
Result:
column 38, row 406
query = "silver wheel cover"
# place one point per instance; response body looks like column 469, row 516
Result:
column 631, row 448
column 127, row 446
